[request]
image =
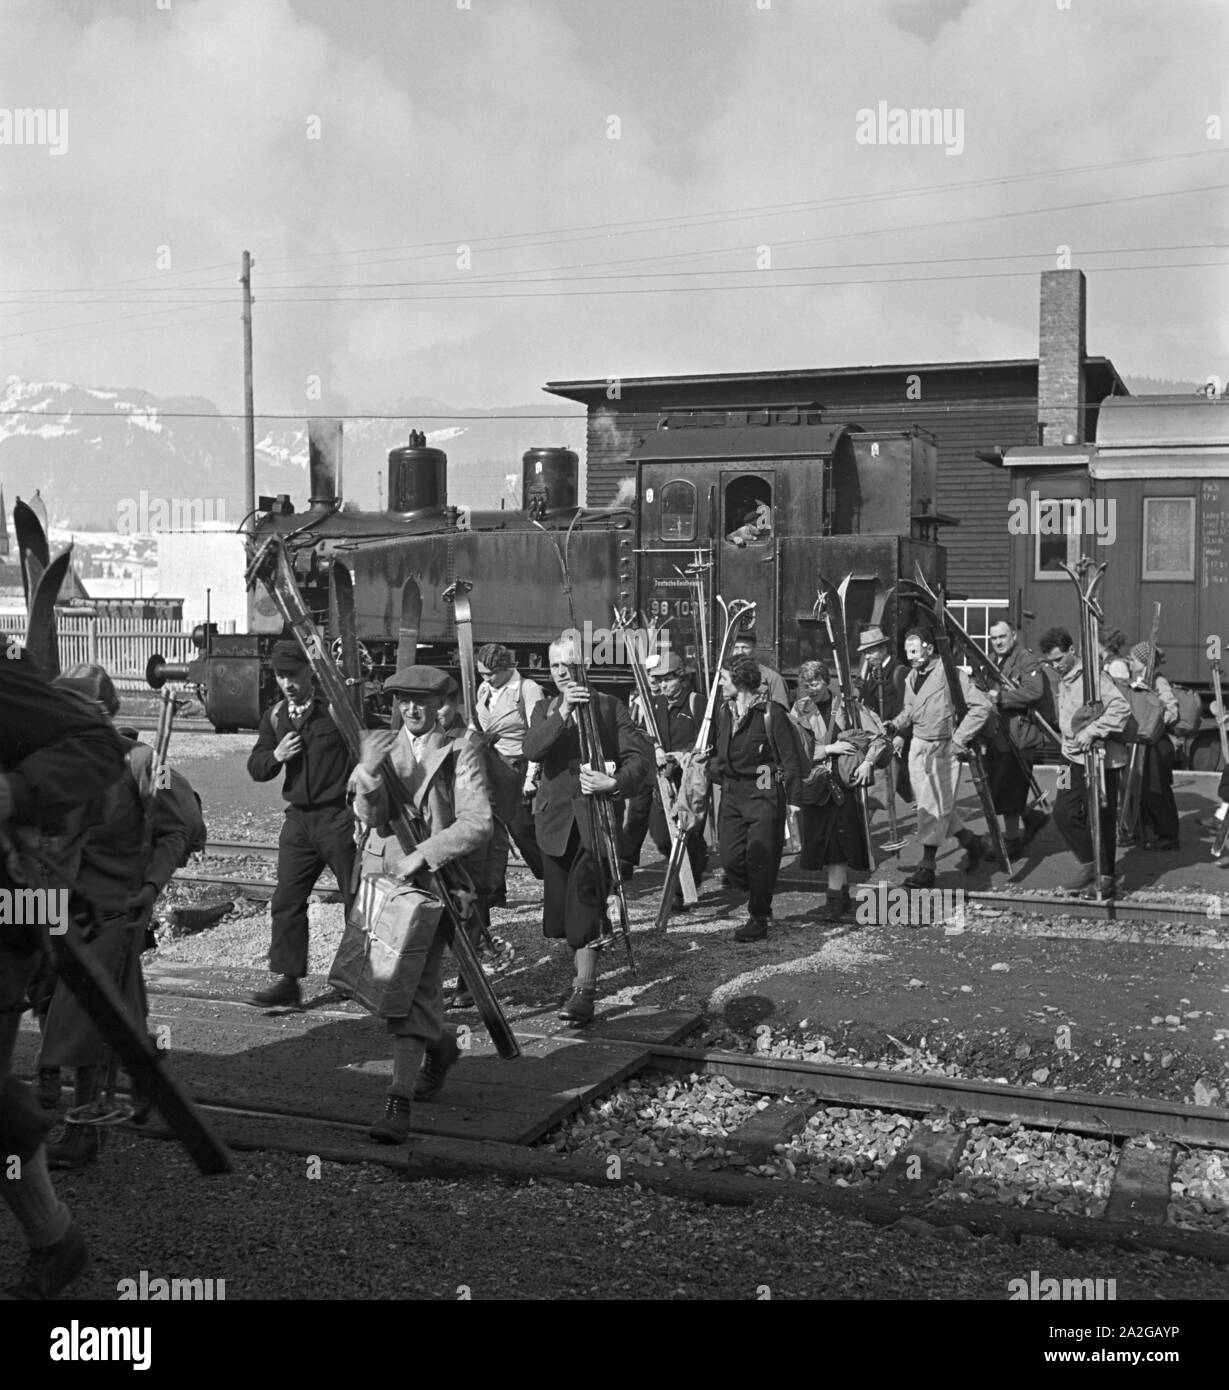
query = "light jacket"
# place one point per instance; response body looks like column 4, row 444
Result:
column 447, row 789
column 928, row 709
column 1113, row 719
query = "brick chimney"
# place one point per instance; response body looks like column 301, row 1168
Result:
column 1060, row 356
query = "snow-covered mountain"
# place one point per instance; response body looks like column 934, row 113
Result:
column 92, row 451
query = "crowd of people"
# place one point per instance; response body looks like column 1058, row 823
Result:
column 77, row 807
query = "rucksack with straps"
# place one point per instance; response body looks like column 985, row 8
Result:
column 186, row 801
column 1190, row 711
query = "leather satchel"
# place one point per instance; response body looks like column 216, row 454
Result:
column 384, row 948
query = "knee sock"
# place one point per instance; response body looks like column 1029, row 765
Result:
column 407, row 1062
column 838, row 877
column 32, row 1200
column 929, row 852
column 586, row 967
column 1011, row 826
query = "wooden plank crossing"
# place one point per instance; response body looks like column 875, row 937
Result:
column 323, row 1068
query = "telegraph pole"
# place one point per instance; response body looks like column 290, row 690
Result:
column 249, row 415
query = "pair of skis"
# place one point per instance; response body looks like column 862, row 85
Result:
column 736, row 614
column 830, row 609
column 1221, row 838
column 599, row 809
column 1133, row 785
column 271, row 566
column 1087, row 579
column 985, row 672
column 934, row 603
column 41, row 578
column 665, row 787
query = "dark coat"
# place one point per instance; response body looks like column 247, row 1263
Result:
column 318, row 775
column 559, row 803
column 761, row 737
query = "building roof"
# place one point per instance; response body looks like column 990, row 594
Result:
column 754, row 441
column 1101, row 369
column 1141, row 422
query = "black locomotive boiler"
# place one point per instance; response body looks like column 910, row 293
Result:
column 761, row 501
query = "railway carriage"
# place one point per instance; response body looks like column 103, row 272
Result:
column 1150, row 498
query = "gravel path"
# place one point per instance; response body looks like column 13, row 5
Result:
column 273, row 1232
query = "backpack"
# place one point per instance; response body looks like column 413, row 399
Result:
column 187, row 803
column 1190, row 711
column 1147, row 714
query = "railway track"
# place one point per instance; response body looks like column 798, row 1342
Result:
column 925, row 1126
column 1016, row 900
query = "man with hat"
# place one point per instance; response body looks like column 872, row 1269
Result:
column 442, row 771
column 678, row 714
column 881, row 680
column 298, row 735
column 771, row 682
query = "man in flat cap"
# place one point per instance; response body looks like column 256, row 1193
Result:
column 442, row 770
column 298, row 734
column 771, row 682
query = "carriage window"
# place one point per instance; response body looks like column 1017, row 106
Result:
column 678, row 511
column 1057, row 539
column 1169, row 538
column 748, row 510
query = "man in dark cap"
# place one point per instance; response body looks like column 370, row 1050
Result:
column 771, row 682
column 442, row 771
column 298, row 734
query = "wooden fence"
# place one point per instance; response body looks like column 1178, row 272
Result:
column 122, row 645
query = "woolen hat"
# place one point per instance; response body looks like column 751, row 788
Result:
column 419, row 680
column 288, row 656
column 1142, row 652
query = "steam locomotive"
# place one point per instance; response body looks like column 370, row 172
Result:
column 758, row 502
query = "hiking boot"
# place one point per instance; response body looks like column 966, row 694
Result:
column 837, row 903
column 283, row 993
column 1033, row 823
column 975, row 850
column 923, row 876
column 1083, row 879
column 47, row 1091
column 579, row 1008
column 77, row 1147
column 460, row 998
column 50, row 1270
column 436, row 1064
column 394, row 1125
column 753, row 929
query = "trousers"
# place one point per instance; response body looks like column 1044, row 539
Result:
column 310, row 842
column 750, row 833
column 1071, row 818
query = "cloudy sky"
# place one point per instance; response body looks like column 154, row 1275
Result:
column 643, row 186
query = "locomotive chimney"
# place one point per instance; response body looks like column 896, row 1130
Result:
column 1060, row 357
column 324, row 464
